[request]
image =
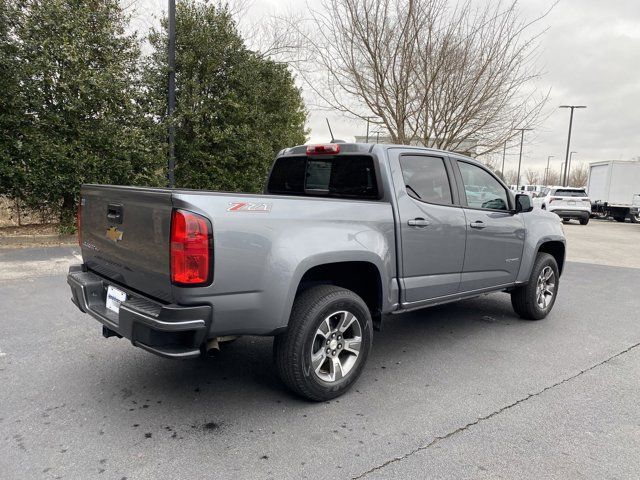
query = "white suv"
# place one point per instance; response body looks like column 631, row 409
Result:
column 566, row 202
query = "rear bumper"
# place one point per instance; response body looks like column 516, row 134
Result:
column 170, row 331
column 568, row 213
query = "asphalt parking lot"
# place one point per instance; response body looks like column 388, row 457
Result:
column 460, row 391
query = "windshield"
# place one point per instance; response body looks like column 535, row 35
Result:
column 561, row 192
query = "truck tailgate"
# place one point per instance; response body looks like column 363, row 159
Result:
column 125, row 236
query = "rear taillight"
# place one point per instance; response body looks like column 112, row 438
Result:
column 586, row 200
column 79, row 222
column 191, row 255
column 324, row 149
column 552, row 199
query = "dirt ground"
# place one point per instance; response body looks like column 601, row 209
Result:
column 12, row 231
column 28, row 218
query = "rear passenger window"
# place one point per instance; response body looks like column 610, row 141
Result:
column 482, row 189
column 426, row 178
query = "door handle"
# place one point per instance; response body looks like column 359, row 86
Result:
column 114, row 213
column 418, row 222
column 479, row 224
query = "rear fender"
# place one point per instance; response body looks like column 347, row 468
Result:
column 389, row 289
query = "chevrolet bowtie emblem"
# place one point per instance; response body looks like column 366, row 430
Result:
column 114, row 234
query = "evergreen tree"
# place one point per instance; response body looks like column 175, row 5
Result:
column 234, row 109
column 82, row 94
column 12, row 110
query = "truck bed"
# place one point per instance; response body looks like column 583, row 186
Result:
column 261, row 244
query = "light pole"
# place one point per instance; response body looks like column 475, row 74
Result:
column 504, row 153
column 569, row 165
column 522, row 130
column 367, row 139
column 171, row 94
column 566, row 157
column 546, row 171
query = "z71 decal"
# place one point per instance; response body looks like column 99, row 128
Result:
column 249, row 207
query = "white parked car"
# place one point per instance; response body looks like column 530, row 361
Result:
column 532, row 190
column 566, row 202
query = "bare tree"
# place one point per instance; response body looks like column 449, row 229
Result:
column 510, row 177
column 579, row 175
column 532, row 176
column 493, row 164
column 448, row 77
column 553, row 177
column 273, row 36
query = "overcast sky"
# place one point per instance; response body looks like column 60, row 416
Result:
column 590, row 55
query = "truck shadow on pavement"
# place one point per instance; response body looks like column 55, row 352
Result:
column 242, row 373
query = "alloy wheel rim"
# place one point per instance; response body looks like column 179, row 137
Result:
column 545, row 287
column 335, row 347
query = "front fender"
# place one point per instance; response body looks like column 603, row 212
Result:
column 541, row 227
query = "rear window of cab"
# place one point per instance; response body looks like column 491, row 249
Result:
column 351, row 176
column 564, row 192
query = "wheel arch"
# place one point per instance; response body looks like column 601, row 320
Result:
column 361, row 277
column 556, row 249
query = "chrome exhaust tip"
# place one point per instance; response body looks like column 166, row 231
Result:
column 212, row 347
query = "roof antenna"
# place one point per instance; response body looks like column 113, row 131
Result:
column 329, row 125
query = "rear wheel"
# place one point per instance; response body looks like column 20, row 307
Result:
column 584, row 221
column 535, row 300
column 325, row 348
column 619, row 219
column 566, row 220
column 635, row 218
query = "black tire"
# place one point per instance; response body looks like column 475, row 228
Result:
column 293, row 348
column 584, row 221
column 566, row 220
column 635, row 218
column 619, row 219
column 524, row 299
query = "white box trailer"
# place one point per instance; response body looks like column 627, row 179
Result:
column 614, row 189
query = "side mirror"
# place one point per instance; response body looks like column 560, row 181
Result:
column 523, row 203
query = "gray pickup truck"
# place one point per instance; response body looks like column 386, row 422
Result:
column 344, row 236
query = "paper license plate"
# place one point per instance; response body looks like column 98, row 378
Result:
column 114, row 298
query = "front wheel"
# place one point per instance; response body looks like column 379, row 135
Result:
column 535, row 300
column 325, row 348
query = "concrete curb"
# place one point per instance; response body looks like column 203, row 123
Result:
column 37, row 240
